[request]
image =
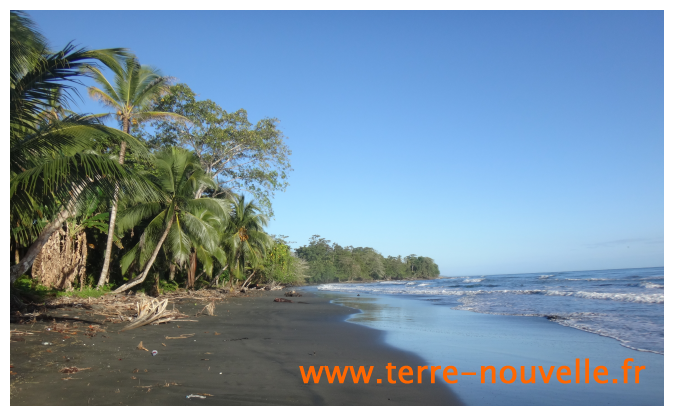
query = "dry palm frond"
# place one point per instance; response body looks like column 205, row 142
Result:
column 148, row 311
column 210, row 309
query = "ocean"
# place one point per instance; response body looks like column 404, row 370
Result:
column 624, row 304
column 523, row 320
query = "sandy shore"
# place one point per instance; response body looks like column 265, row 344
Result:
column 469, row 340
column 253, row 360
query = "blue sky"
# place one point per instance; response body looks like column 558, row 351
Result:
column 493, row 142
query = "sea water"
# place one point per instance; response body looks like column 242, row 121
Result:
column 623, row 304
column 436, row 319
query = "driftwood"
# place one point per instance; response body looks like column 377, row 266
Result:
column 148, row 312
column 283, row 300
column 182, row 336
column 292, row 293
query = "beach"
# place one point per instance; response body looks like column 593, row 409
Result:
column 253, row 360
column 250, row 353
column 469, row 340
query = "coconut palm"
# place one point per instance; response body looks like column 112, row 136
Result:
column 130, row 95
column 53, row 165
column 187, row 224
column 245, row 237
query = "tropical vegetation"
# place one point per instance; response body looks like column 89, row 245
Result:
column 333, row 263
column 175, row 192
column 95, row 204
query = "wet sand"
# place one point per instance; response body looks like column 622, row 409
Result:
column 254, row 360
column 469, row 340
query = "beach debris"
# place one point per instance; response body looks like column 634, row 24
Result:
column 283, row 300
column 292, row 293
column 163, row 344
column 148, row 311
column 135, row 370
column 210, row 309
column 216, row 333
column 71, row 370
column 154, row 352
column 47, row 343
column 195, row 396
column 182, row 336
column 140, row 347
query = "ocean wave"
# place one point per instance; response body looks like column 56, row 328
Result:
column 650, row 285
column 545, row 276
column 621, row 297
column 477, row 280
column 591, row 279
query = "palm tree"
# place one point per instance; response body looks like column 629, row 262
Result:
column 53, row 166
column 130, row 95
column 245, row 236
column 188, row 224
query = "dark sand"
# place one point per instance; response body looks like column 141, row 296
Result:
column 258, row 364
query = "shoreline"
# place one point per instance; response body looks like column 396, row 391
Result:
column 469, row 340
column 259, row 347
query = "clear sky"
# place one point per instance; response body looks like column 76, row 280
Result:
column 493, row 142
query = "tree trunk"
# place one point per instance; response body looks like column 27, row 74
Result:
column 27, row 261
column 143, row 275
column 172, row 271
column 192, row 271
column 103, row 279
column 245, row 284
column 231, row 275
column 61, row 260
column 216, row 279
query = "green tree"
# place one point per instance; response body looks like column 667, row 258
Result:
column 53, row 165
column 281, row 266
column 239, row 155
column 130, row 95
column 183, row 221
column 245, row 237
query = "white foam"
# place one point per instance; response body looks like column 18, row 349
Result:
column 649, row 285
column 623, row 297
column 473, row 280
column 411, row 290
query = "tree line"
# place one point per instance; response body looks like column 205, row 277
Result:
column 178, row 194
column 333, row 263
